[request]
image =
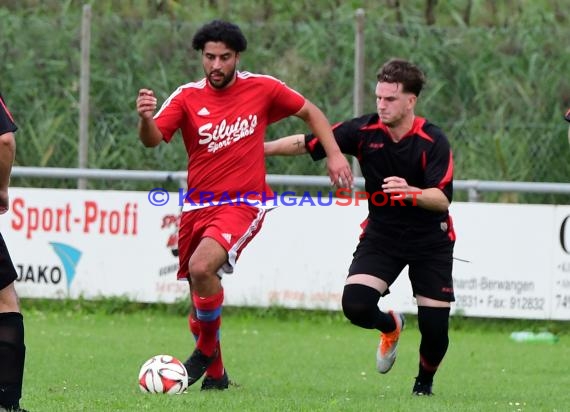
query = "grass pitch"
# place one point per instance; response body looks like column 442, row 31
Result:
column 81, row 360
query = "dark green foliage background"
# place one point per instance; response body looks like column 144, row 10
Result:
column 498, row 86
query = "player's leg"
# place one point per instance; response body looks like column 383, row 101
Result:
column 12, row 348
column 432, row 283
column 370, row 274
column 360, row 305
column 227, row 230
column 207, row 298
column 433, row 322
column 240, row 225
column 360, row 302
column 189, row 239
column 216, row 375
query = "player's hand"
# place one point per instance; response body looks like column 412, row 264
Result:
column 398, row 187
column 339, row 170
column 146, row 103
column 4, row 202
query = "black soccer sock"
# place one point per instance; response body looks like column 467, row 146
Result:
column 434, row 325
column 360, row 306
column 12, row 355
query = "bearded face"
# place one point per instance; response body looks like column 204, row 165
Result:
column 219, row 64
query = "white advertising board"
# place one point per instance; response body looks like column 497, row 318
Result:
column 71, row 243
column 560, row 264
column 509, row 253
column 512, row 260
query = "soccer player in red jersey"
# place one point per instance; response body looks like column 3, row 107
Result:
column 12, row 348
column 407, row 157
column 223, row 118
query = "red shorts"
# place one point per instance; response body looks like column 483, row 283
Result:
column 231, row 226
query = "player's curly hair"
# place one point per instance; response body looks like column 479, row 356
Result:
column 220, row 31
column 404, row 72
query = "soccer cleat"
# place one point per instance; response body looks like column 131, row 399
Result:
column 422, row 389
column 197, row 364
column 211, row 383
column 387, row 349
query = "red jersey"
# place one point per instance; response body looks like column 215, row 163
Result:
column 224, row 131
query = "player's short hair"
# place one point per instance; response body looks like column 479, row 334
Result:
column 220, row 31
column 404, row 72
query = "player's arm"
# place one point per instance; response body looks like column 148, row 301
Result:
column 286, row 146
column 7, row 153
column 149, row 134
column 338, row 167
column 431, row 198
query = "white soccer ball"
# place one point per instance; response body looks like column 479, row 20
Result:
column 163, row 374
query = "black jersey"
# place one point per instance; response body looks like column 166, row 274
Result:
column 6, row 121
column 423, row 157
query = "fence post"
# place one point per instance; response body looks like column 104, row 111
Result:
column 472, row 194
column 358, row 102
column 84, row 93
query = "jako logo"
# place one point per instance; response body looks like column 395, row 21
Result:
column 69, row 257
column 50, row 273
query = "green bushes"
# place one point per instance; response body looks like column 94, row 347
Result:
column 498, row 92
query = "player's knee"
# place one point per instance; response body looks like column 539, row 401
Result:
column 360, row 304
column 198, row 270
column 357, row 314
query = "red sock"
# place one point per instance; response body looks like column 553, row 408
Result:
column 194, row 326
column 209, row 316
column 216, row 369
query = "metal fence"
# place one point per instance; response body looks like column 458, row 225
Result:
column 473, row 188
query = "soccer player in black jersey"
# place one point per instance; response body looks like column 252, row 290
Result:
column 408, row 160
column 12, row 349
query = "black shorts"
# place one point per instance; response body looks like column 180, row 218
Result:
column 429, row 267
column 7, row 271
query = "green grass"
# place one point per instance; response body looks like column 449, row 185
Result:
column 88, row 360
